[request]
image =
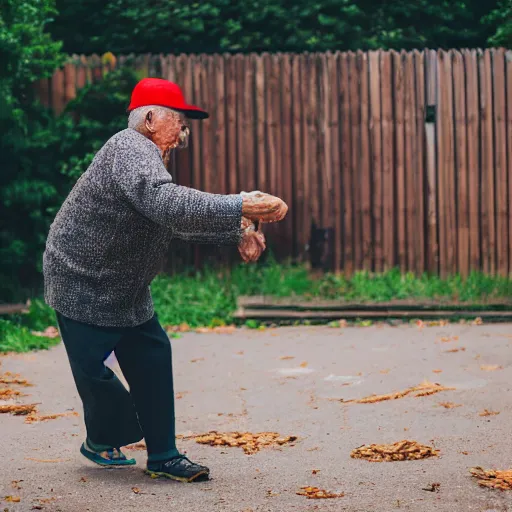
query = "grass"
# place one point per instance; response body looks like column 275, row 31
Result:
column 209, row 298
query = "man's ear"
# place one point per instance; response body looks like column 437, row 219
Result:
column 149, row 122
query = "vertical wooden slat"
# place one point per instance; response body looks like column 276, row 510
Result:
column 306, row 118
column 248, row 135
column 388, row 198
column 261, row 153
column 487, row 158
column 324, row 139
column 70, row 82
column 186, row 161
column 365, row 179
column 207, row 147
column 298, row 146
column 355, row 141
column 461, row 164
column 348, row 233
column 399, row 148
column 376, row 138
column 508, row 60
column 473, row 156
column 232, row 119
column 431, row 160
column 287, row 155
column 58, row 91
column 419, row 61
column 313, row 170
column 198, row 148
column 500, row 160
column 220, row 124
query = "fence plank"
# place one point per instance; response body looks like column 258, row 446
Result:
column 508, row 60
column 419, row 62
column 58, row 91
column 355, row 133
column 473, row 122
column 348, row 238
column 459, row 90
column 487, row 183
column 500, row 155
column 365, row 167
column 232, row 121
column 388, row 182
column 399, row 149
column 375, row 127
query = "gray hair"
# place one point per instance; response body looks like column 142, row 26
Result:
column 137, row 117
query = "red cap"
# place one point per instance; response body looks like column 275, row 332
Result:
column 155, row 91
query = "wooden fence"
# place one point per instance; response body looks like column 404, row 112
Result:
column 386, row 159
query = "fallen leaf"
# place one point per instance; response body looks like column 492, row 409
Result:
column 304, row 364
column 12, row 499
column 286, row 358
column 314, row 493
column 493, row 479
column 384, row 371
column 34, row 418
column 449, row 405
column 83, row 479
column 454, row 350
column 315, row 471
column 7, row 393
column 485, row 412
column 432, row 488
column 250, row 443
column 136, row 490
column 477, row 321
column 9, row 378
column 271, row 493
column 437, row 371
column 465, row 453
column 15, row 484
column 18, row 410
column 137, row 446
column 448, row 339
column 196, row 360
column 46, row 460
column 491, row 367
column 241, row 353
column 402, row 450
column 426, row 388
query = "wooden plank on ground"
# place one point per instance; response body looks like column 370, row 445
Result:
column 388, row 182
column 399, row 147
column 487, row 158
column 462, row 202
column 473, row 147
column 500, row 163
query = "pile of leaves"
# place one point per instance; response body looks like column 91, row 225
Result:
column 250, row 443
column 314, row 493
column 402, row 450
column 493, row 479
column 426, row 388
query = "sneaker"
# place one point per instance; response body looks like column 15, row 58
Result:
column 178, row 468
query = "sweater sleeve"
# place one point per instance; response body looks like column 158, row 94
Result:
column 143, row 181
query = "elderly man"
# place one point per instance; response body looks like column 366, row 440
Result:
column 105, row 247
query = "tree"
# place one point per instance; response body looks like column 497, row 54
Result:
column 26, row 177
column 501, row 19
column 170, row 26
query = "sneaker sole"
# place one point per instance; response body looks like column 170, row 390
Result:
column 195, row 478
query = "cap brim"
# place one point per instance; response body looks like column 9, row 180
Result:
column 194, row 113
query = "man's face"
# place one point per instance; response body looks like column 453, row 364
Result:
column 170, row 130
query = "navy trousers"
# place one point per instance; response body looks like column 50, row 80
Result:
column 113, row 415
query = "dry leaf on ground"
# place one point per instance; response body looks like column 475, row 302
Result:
column 491, row 367
column 449, row 405
column 15, row 484
column 384, row 372
column 314, row 493
column 46, row 461
column 447, row 339
column 454, row 350
column 250, row 443
column 197, row 360
column 486, row 412
column 477, row 321
column 432, row 488
column 12, row 499
column 6, row 393
column 437, row 371
column 426, row 388
column 137, row 446
column 18, row 410
column 315, row 471
column 304, row 364
column 493, row 479
column 10, row 378
column 136, row 490
column 223, row 329
column 402, row 450
column 286, row 358
column 34, row 418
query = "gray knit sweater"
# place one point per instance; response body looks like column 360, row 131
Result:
column 110, row 237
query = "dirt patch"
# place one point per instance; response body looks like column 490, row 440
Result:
column 250, row 443
column 493, row 479
column 426, row 388
column 403, row 450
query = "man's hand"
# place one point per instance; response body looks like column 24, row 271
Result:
column 260, row 207
column 252, row 244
